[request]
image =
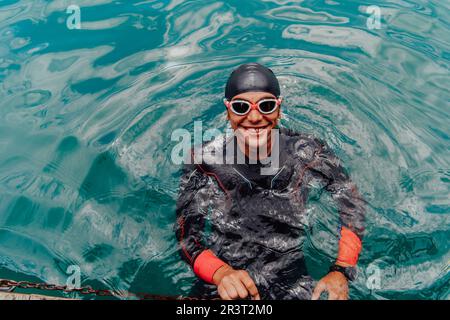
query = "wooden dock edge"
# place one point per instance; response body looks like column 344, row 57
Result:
column 24, row 296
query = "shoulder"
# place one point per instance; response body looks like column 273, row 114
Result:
column 299, row 137
column 204, row 157
column 302, row 145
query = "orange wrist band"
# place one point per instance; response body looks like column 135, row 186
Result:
column 349, row 247
column 206, row 265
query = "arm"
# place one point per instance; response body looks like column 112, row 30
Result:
column 193, row 202
column 351, row 208
column 351, row 212
column 192, row 206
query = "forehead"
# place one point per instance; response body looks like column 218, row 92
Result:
column 253, row 96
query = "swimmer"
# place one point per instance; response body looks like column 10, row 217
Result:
column 243, row 232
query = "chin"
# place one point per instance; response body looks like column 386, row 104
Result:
column 254, row 139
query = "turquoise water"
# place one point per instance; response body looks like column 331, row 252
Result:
column 86, row 117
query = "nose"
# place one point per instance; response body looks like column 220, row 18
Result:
column 254, row 116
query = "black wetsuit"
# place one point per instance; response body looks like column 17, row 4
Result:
column 257, row 222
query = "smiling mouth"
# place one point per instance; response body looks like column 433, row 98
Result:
column 254, row 129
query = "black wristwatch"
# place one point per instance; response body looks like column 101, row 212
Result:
column 348, row 272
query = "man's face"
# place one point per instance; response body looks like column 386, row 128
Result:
column 253, row 128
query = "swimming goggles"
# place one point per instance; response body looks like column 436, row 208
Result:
column 242, row 107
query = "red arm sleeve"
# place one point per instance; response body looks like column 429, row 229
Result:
column 349, row 248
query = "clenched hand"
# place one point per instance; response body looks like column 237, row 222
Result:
column 335, row 283
column 234, row 284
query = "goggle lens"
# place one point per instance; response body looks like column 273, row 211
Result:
column 267, row 106
column 240, row 107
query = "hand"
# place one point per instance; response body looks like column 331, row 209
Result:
column 335, row 283
column 234, row 284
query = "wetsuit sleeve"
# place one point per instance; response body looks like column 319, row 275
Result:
column 192, row 208
column 350, row 204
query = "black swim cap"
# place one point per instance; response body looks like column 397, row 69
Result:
column 252, row 77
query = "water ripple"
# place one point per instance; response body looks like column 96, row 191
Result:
column 86, row 118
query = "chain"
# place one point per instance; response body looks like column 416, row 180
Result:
column 10, row 285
